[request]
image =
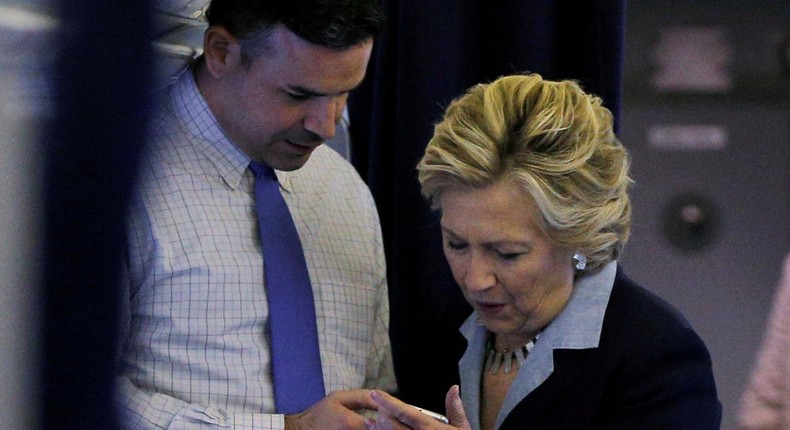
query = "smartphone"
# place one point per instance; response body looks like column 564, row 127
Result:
column 438, row 417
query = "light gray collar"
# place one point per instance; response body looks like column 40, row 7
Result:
column 578, row 326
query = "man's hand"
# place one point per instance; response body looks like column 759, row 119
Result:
column 336, row 411
column 396, row 415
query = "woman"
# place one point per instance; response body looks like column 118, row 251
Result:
column 532, row 187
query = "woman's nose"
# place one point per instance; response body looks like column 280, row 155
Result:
column 479, row 274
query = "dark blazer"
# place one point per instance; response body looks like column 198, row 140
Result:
column 650, row 371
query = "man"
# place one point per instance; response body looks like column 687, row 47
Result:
column 269, row 89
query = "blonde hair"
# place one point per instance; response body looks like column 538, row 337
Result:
column 554, row 140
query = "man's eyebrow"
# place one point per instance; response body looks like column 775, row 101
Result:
column 312, row 93
column 304, row 91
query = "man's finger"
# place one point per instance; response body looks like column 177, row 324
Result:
column 355, row 399
column 403, row 412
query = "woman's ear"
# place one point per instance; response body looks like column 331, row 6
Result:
column 221, row 51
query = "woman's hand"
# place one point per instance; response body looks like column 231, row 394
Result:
column 393, row 414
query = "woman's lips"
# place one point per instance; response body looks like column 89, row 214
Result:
column 489, row 308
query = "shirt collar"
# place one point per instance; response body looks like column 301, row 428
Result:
column 578, row 326
column 198, row 121
column 284, row 178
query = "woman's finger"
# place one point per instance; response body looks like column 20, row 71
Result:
column 455, row 408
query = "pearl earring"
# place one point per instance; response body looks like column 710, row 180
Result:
column 579, row 261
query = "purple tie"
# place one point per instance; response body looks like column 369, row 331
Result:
column 296, row 362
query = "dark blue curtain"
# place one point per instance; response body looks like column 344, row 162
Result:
column 102, row 82
column 430, row 53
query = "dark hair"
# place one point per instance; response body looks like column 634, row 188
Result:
column 337, row 24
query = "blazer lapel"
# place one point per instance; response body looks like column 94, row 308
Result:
column 531, row 409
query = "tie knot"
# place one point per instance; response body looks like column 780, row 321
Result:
column 263, row 171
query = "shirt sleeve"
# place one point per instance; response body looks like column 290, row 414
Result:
column 381, row 373
column 139, row 409
column 765, row 403
column 380, row 369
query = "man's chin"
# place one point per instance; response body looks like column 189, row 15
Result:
column 286, row 155
column 290, row 163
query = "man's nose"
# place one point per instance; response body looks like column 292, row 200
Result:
column 323, row 118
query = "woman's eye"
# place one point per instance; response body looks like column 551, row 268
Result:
column 456, row 245
column 509, row 256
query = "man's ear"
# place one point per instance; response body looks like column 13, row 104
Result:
column 221, row 51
